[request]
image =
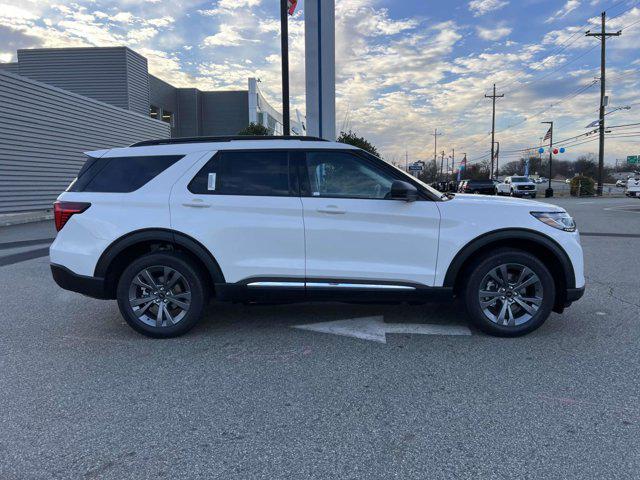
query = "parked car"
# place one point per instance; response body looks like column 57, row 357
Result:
column 621, row 184
column 164, row 225
column 633, row 186
column 485, row 186
column 517, row 187
column 541, row 180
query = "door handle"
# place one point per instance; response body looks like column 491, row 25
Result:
column 196, row 203
column 331, row 209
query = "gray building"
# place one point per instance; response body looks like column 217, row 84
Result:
column 120, row 77
column 57, row 103
column 45, row 130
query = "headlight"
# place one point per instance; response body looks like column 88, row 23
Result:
column 559, row 220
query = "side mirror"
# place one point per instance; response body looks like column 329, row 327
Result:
column 403, row 191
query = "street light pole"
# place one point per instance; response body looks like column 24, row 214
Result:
column 284, row 44
column 549, row 192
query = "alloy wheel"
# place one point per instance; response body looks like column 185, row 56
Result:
column 159, row 296
column 510, row 294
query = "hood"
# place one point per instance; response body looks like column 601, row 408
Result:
column 490, row 200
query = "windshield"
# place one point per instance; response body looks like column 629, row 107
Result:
column 520, row 179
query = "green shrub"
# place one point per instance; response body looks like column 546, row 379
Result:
column 582, row 186
column 254, row 129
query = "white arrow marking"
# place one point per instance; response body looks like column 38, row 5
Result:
column 374, row 328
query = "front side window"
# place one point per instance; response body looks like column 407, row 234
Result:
column 264, row 173
column 341, row 174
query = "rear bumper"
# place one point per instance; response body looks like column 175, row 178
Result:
column 89, row 286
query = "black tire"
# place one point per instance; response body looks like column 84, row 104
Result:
column 193, row 281
column 533, row 196
column 479, row 272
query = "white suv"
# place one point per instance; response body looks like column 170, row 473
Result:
column 162, row 226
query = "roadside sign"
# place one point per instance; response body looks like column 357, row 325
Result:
column 632, row 159
column 415, row 168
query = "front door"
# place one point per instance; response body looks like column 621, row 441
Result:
column 354, row 232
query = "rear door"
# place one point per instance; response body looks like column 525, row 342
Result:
column 353, row 232
column 244, row 206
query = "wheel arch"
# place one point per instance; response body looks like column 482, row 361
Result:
column 543, row 247
column 119, row 254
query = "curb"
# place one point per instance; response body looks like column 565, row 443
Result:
column 9, row 219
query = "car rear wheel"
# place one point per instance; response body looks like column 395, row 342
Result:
column 509, row 293
column 162, row 295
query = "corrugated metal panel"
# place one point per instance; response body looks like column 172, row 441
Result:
column 189, row 120
column 44, row 132
column 9, row 67
column 114, row 75
column 137, row 82
column 224, row 113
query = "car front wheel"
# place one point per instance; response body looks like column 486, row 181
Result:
column 162, row 295
column 509, row 293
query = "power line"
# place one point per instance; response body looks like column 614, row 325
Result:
column 564, row 99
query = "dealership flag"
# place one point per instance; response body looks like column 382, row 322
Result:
column 292, row 6
column 548, row 135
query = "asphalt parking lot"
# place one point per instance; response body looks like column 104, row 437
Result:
column 246, row 396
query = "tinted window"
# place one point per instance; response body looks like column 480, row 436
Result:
column 121, row 174
column 520, row 179
column 264, row 173
column 339, row 174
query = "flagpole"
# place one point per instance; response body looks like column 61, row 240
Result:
column 284, row 42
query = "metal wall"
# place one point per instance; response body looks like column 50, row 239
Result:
column 114, row 75
column 43, row 132
column 224, row 113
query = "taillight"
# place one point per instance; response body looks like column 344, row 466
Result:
column 62, row 211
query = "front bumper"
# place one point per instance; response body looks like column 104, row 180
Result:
column 90, row 286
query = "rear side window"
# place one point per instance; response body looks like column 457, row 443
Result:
column 264, row 173
column 120, row 174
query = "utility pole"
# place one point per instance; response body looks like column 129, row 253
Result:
column 493, row 123
column 284, row 45
column 603, row 45
column 406, row 161
column 549, row 192
column 441, row 165
column 497, row 157
column 453, row 160
column 435, row 148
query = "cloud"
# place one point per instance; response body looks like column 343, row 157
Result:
column 228, row 36
column 480, row 7
column 568, row 7
column 493, row 33
column 397, row 76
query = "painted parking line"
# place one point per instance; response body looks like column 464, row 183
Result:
column 608, row 234
column 25, row 243
column 23, row 257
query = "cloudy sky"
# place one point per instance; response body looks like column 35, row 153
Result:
column 403, row 68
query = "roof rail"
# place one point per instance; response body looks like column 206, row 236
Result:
column 179, row 140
